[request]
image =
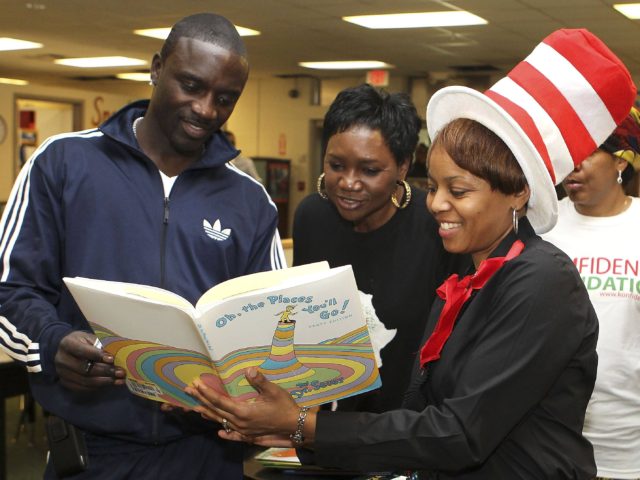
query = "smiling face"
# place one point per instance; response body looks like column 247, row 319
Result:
column 473, row 218
column 593, row 186
column 361, row 174
column 197, row 87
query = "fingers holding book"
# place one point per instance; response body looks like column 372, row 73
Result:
column 82, row 365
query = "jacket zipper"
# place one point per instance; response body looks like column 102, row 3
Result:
column 163, row 246
column 163, row 243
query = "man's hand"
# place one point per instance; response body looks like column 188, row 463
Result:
column 82, row 366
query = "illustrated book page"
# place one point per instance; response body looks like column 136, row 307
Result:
column 302, row 327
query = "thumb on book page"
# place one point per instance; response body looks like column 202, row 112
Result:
column 269, row 391
column 258, row 381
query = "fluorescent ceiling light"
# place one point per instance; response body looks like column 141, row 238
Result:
column 16, row 44
column 417, row 20
column 629, row 10
column 135, row 76
column 13, row 81
column 246, row 32
column 346, row 65
column 96, row 62
column 160, row 33
column 163, row 33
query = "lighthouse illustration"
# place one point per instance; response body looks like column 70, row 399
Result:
column 282, row 361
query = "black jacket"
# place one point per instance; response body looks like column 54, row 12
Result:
column 92, row 204
column 507, row 398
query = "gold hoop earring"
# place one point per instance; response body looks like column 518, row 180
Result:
column 407, row 196
column 515, row 220
column 321, row 192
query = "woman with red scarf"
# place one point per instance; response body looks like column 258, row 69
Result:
column 508, row 363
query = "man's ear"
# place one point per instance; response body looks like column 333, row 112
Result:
column 156, row 66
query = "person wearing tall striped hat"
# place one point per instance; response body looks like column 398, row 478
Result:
column 599, row 213
column 509, row 361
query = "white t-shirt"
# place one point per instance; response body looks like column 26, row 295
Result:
column 167, row 182
column 606, row 251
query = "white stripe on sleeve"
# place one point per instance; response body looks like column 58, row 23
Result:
column 278, row 259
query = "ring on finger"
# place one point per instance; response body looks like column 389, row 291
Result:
column 225, row 425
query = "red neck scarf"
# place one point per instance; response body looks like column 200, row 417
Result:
column 455, row 293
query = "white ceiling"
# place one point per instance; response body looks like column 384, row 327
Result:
column 303, row 30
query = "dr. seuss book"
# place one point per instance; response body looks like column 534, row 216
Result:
column 303, row 327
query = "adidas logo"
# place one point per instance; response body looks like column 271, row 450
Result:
column 216, row 231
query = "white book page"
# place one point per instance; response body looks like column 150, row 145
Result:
column 127, row 316
column 143, row 292
column 255, row 281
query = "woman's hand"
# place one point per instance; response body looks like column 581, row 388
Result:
column 267, row 421
column 283, row 441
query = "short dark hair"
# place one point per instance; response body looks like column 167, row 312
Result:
column 392, row 114
column 207, row 27
column 475, row 148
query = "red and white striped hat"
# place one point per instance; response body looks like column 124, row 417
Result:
column 552, row 110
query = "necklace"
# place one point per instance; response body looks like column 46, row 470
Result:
column 134, row 127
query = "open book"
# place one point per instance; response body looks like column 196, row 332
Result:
column 303, row 327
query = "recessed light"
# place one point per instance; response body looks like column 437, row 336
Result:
column 13, row 81
column 36, row 6
column 629, row 10
column 135, row 76
column 163, row 33
column 346, row 65
column 417, row 20
column 17, row 44
column 97, row 62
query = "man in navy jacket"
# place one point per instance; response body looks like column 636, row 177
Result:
column 149, row 198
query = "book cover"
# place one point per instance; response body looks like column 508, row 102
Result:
column 276, row 457
column 302, row 327
column 286, row 461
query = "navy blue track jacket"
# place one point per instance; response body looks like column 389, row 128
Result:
column 92, row 204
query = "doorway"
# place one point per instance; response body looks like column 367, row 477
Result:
column 38, row 118
column 315, row 153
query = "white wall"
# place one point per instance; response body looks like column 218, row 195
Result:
column 267, row 122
